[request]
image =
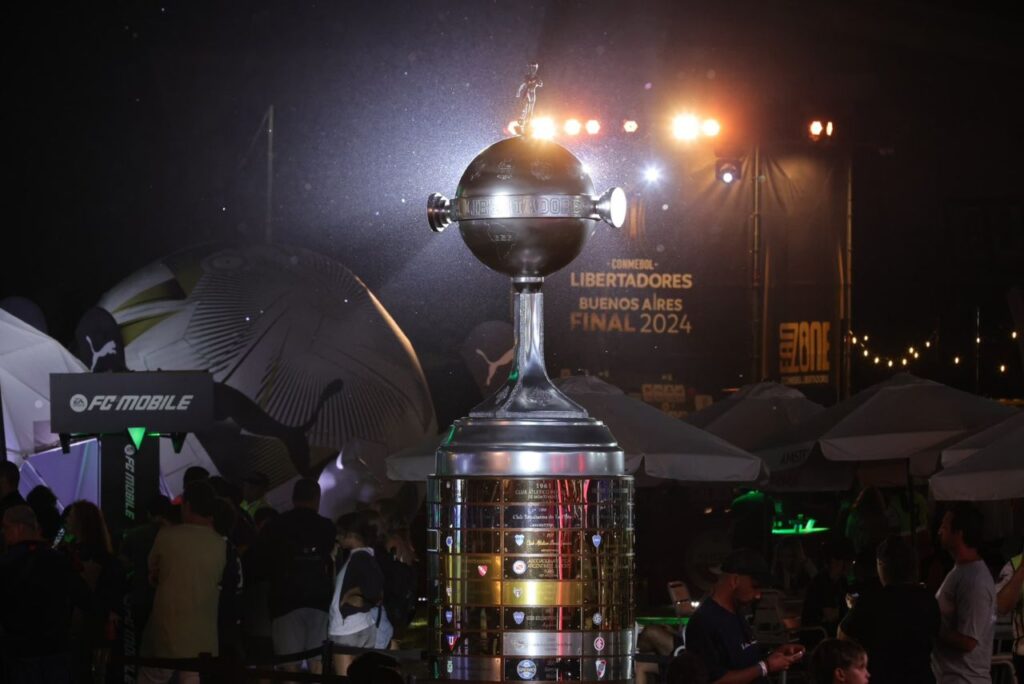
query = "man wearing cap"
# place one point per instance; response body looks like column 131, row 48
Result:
column 722, row 638
column 254, row 492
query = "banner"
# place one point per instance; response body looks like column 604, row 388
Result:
column 161, row 401
column 662, row 308
column 803, row 222
column 129, row 480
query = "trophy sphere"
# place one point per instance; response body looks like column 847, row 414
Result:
column 525, row 207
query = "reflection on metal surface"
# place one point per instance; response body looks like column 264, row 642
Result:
column 535, row 570
column 541, row 593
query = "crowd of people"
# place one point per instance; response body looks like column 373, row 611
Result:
column 217, row 572
column 877, row 605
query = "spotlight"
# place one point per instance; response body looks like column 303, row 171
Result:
column 818, row 127
column 630, row 126
column 710, row 128
column 543, row 128
column 728, row 170
column 652, row 174
column 593, row 126
column 573, row 127
column 686, row 127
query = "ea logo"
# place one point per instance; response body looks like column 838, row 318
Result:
column 79, row 403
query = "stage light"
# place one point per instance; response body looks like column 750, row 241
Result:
column 630, row 126
column 686, row 127
column 710, row 128
column 543, row 128
column 652, row 174
column 727, row 170
column 512, row 128
column 817, row 128
column 593, row 126
column 573, row 127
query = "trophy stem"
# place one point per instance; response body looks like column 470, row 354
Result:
column 528, row 389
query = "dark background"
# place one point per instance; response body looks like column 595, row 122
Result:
column 132, row 128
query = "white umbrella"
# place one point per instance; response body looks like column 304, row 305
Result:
column 27, row 357
column 907, row 417
column 668, row 447
column 993, row 473
column 971, row 445
column 755, row 413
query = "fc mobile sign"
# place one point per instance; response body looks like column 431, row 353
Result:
column 98, row 403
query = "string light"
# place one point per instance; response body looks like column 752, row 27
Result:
column 956, row 360
column 865, row 352
column 890, row 363
column 910, row 350
column 1002, row 368
column 1013, row 335
column 878, row 360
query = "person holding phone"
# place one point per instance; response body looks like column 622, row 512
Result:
column 722, row 638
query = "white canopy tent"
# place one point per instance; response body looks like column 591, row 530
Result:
column 965, row 448
column 755, row 413
column 667, row 447
column 905, row 418
column 993, row 473
column 27, row 357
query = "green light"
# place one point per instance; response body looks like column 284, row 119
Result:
column 513, row 375
column 137, row 433
column 451, row 434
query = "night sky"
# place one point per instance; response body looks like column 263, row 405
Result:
column 134, row 128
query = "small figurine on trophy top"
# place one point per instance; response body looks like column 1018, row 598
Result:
column 528, row 88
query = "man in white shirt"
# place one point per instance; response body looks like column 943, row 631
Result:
column 967, row 603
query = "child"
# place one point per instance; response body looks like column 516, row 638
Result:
column 837, row 661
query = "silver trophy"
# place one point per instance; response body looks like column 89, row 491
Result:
column 530, row 508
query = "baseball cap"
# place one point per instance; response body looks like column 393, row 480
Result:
column 745, row 562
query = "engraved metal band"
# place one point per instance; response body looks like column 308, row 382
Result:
column 544, row 644
column 523, row 206
column 474, row 669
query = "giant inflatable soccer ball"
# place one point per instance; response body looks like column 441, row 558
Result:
column 278, row 327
